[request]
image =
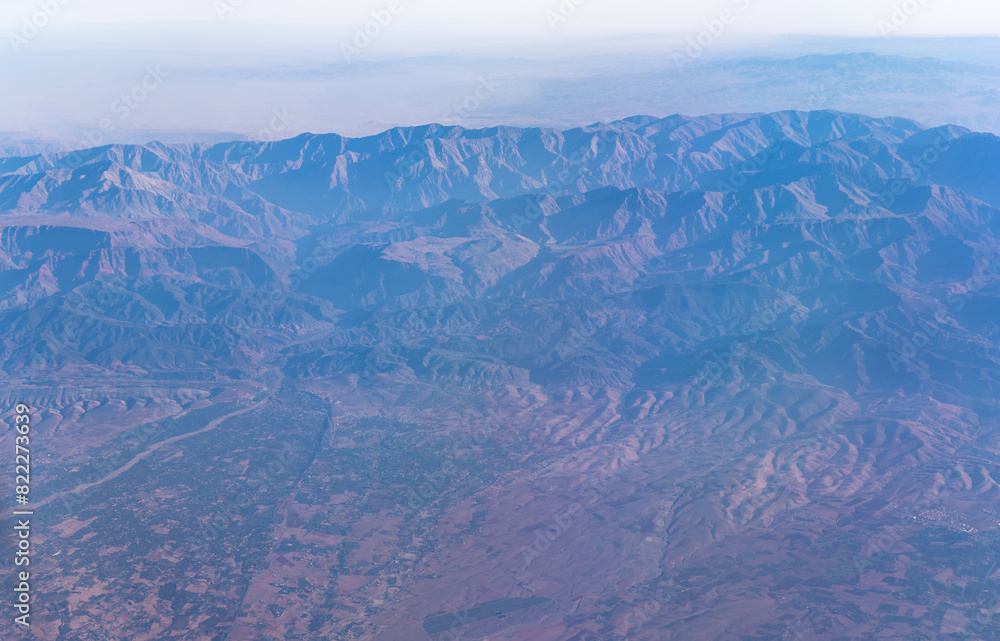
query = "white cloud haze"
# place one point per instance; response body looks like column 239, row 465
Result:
column 527, row 19
column 231, row 63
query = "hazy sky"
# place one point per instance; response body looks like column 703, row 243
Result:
column 148, row 68
column 520, row 19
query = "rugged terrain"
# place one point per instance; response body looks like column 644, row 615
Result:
column 726, row 378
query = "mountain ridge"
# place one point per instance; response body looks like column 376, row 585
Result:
column 722, row 354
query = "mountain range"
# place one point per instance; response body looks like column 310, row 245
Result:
column 747, row 364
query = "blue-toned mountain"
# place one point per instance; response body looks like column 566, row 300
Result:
column 743, row 334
